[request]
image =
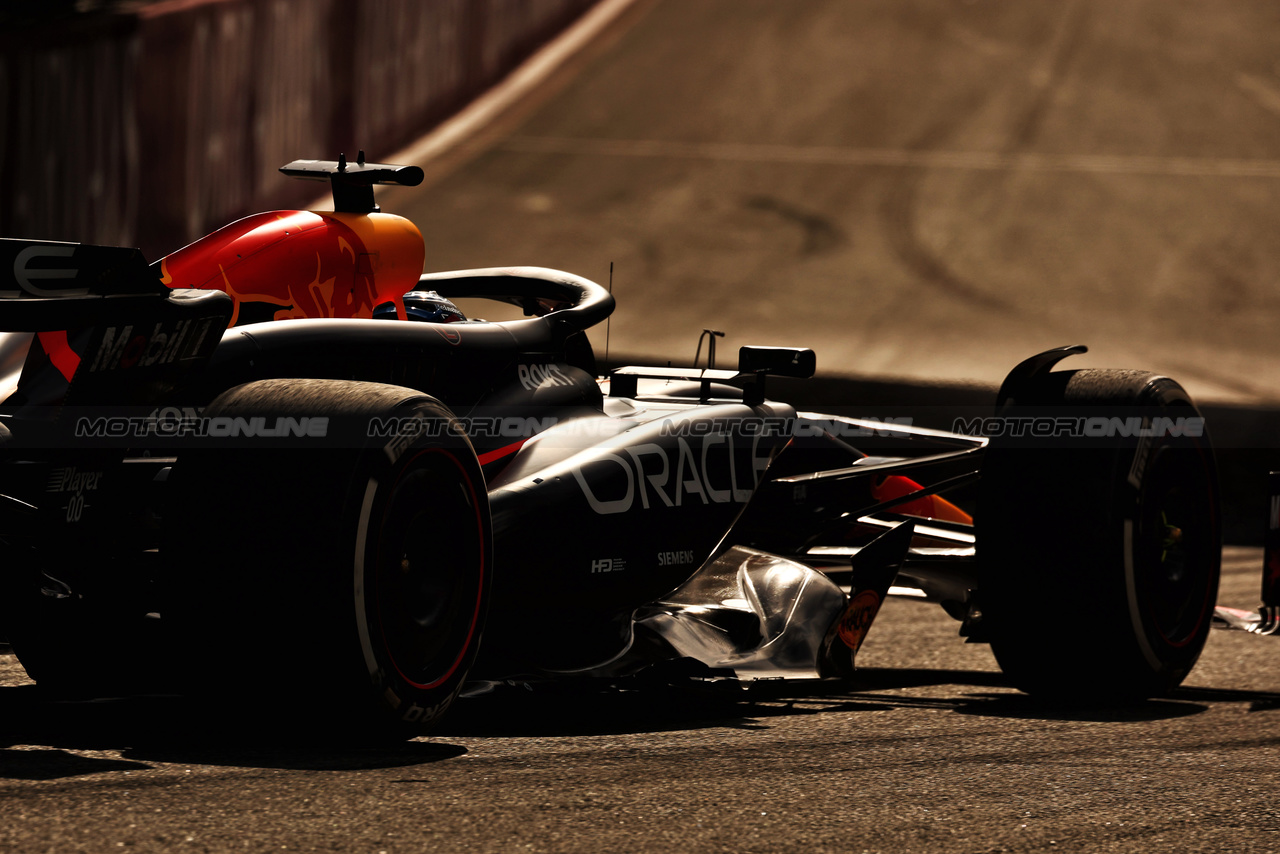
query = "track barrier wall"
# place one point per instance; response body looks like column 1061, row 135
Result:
column 152, row 127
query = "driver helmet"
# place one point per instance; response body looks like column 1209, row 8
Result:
column 427, row 306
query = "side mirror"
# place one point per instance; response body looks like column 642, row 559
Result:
column 777, row 361
column 761, row 362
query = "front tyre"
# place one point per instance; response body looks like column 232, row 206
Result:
column 1099, row 546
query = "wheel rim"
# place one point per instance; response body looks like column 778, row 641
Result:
column 428, row 569
column 1174, row 560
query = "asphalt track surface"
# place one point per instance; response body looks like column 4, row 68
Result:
column 915, row 189
column 925, row 750
column 927, row 190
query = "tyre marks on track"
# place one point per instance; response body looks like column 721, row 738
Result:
column 898, row 158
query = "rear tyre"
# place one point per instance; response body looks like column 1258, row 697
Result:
column 1099, row 546
column 342, row 588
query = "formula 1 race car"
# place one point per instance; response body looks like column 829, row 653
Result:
column 281, row 465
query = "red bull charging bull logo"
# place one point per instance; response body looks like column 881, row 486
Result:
column 290, row 264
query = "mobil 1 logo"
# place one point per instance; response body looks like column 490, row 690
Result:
column 155, row 343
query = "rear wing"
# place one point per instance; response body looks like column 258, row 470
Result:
column 107, row 329
column 46, row 284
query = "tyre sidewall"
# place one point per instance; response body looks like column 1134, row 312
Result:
column 376, row 503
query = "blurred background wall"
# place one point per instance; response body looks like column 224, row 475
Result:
column 149, row 124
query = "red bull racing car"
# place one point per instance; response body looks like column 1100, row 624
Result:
column 280, row 465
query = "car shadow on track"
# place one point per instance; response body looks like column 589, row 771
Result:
column 1003, row 701
column 554, row 711
column 1259, row 701
column 41, row 739
column 561, row 711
